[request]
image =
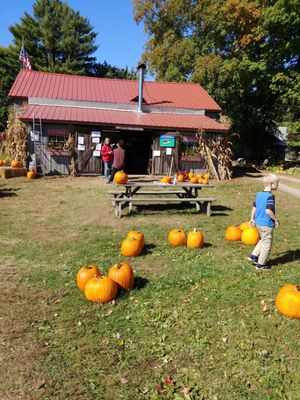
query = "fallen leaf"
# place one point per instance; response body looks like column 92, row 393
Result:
column 185, row 391
column 108, row 313
column 265, row 309
column 159, row 388
column 124, row 381
column 79, row 323
column 118, row 335
column 225, row 340
column 168, row 380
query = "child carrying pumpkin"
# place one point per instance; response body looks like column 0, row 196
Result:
column 264, row 217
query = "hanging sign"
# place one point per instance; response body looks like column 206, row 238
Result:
column 167, row 141
column 95, row 134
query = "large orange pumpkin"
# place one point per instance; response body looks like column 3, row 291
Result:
column 195, row 239
column 233, row 232
column 177, row 237
column 101, row 289
column 120, row 177
column 137, row 235
column 166, row 179
column 31, row 174
column 122, row 274
column 288, row 301
column 250, row 236
column 244, row 225
column 131, row 247
column 86, row 273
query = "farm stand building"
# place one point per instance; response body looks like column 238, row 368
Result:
column 160, row 127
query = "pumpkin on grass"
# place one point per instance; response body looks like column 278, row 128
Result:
column 86, row 273
column 195, row 239
column 15, row 164
column 120, row 177
column 122, row 274
column 131, row 247
column 137, row 235
column 31, row 174
column 244, row 225
column 101, row 289
column 288, row 301
column 177, row 237
column 233, row 232
column 1, row 163
column 250, row 236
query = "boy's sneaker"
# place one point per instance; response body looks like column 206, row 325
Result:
column 264, row 267
column 253, row 259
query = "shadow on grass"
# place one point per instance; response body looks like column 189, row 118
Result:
column 207, row 245
column 288, row 256
column 216, row 210
column 139, row 283
column 8, row 192
column 148, row 248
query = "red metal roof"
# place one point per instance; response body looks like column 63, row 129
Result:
column 31, row 83
column 121, row 118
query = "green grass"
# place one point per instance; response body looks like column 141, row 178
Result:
column 204, row 317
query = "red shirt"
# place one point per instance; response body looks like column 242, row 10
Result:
column 119, row 158
column 107, row 153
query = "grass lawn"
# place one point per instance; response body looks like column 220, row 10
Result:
column 200, row 324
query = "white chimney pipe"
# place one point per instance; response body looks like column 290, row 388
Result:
column 141, row 68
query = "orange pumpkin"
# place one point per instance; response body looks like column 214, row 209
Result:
column 233, row 232
column 31, row 174
column 206, row 176
column 199, row 175
column 86, row 273
column 288, row 301
column 195, row 239
column 15, row 164
column 101, row 289
column 120, row 177
column 244, row 225
column 191, row 175
column 1, row 163
column 122, row 274
column 205, row 181
column 250, row 236
column 200, row 180
column 137, row 235
column 177, row 237
column 194, row 179
column 131, row 247
column 166, row 179
column 180, row 178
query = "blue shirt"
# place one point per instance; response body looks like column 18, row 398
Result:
column 264, row 200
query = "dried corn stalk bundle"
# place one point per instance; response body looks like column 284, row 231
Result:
column 70, row 146
column 217, row 155
column 16, row 136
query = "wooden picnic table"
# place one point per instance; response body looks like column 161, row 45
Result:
column 184, row 191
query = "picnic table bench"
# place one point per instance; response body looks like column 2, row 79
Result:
column 184, row 192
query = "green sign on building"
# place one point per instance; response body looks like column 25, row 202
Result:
column 167, row 141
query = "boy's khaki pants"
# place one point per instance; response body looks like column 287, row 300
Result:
column 263, row 247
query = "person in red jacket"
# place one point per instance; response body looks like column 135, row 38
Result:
column 119, row 159
column 107, row 157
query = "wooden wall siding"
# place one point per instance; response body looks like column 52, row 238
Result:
column 51, row 164
column 87, row 163
column 161, row 165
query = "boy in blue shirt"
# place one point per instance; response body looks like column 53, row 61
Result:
column 264, row 217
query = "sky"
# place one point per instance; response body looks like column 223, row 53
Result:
column 121, row 42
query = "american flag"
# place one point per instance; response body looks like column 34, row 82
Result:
column 24, row 58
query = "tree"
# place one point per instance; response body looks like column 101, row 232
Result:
column 234, row 48
column 105, row 70
column 56, row 37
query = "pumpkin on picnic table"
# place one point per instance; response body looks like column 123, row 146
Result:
column 120, row 177
column 190, row 175
column 194, row 179
column 233, row 232
column 288, row 301
column 101, row 289
column 166, row 179
column 122, row 274
column 195, row 239
column 86, row 273
column 177, row 237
